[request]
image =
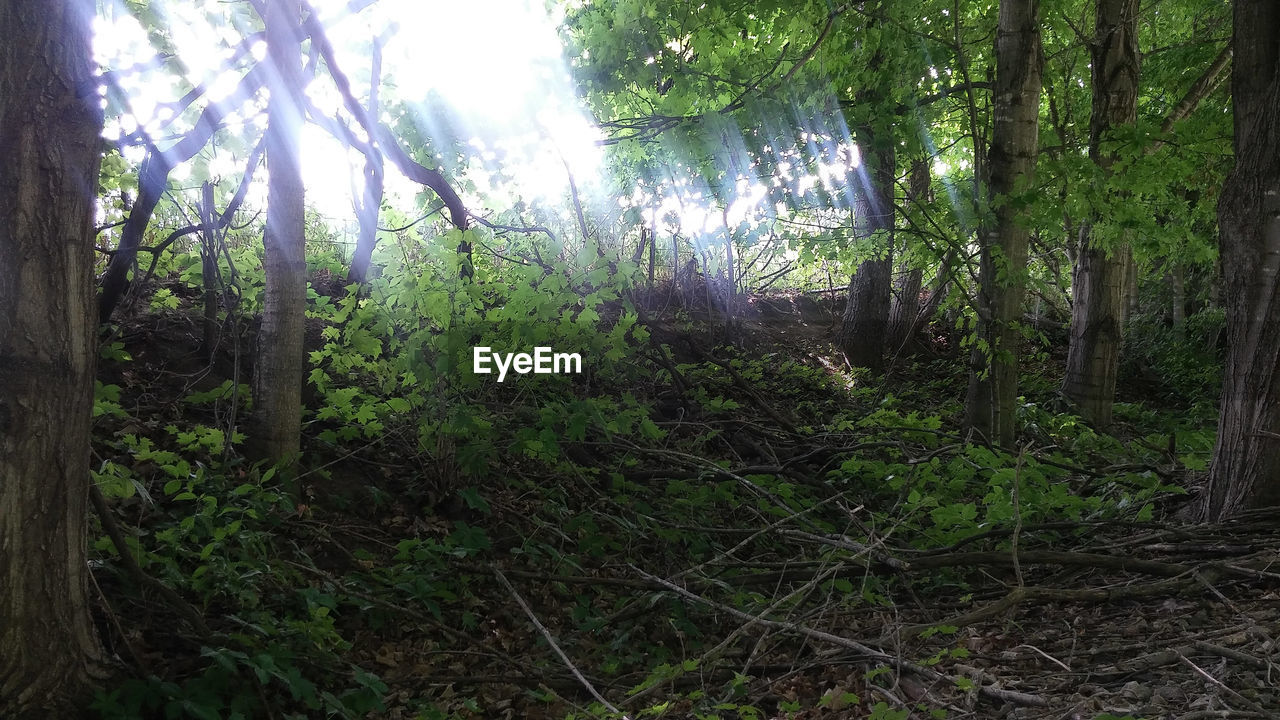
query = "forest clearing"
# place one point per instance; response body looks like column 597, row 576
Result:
column 640, row 359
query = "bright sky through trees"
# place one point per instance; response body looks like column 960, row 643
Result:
column 509, row 86
column 508, row 89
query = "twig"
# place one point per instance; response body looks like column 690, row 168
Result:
column 379, row 602
column 1009, row 601
column 1237, row 696
column 1230, row 654
column 546, row 634
column 1017, row 515
column 863, row 650
column 175, row 600
column 745, row 386
column 115, row 620
column 1056, row 557
column 1047, row 656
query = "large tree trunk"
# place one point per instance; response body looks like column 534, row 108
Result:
column 1098, row 310
column 1246, row 461
column 1101, row 283
column 278, row 369
column 864, row 328
column 990, row 404
column 49, row 128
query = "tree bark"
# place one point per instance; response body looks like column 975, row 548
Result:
column 1100, row 287
column 990, row 404
column 864, row 326
column 278, row 368
column 1098, row 313
column 1245, row 472
column 50, row 125
column 904, row 306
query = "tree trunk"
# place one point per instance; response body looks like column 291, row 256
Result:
column 1245, row 472
column 371, row 197
column 675, row 266
column 904, row 307
column 50, row 124
column 278, row 369
column 209, row 269
column 1100, row 287
column 1098, row 311
column 730, row 266
column 940, row 285
column 865, row 325
column 990, row 404
column 153, row 177
column 653, row 258
column 1178, row 306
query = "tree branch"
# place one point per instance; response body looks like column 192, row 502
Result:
column 1198, row 91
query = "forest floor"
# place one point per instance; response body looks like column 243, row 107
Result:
column 752, row 530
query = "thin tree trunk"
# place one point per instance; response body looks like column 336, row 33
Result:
column 940, row 284
column 209, row 269
column 50, row 126
column 640, row 246
column 371, row 196
column 675, row 265
column 990, row 404
column 730, row 290
column 1130, row 294
column 1199, row 90
column 153, row 177
column 1178, row 306
column 1245, row 472
column 653, row 258
column 1105, row 282
column 278, row 369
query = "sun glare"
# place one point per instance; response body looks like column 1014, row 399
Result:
column 508, row 86
column 499, row 67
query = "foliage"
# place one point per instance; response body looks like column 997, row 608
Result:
column 768, row 478
column 1186, row 359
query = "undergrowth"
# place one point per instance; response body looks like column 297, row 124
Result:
column 445, row 529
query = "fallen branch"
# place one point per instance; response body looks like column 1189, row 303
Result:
column 546, row 634
column 184, row 609
column 865, row 651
